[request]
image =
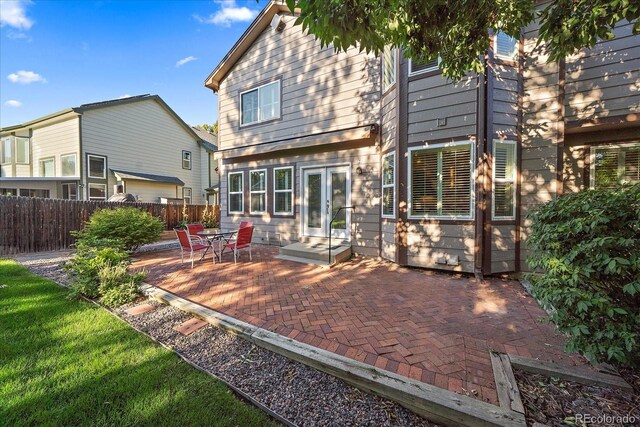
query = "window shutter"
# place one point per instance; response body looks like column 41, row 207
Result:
column 424, row 182
column 632, row 165
column 456, row 181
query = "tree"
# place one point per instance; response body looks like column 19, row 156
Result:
column 457, row 31
column 209, row 128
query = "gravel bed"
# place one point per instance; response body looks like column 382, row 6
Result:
column 49, row 267
column 301, row 394
column 556, row 402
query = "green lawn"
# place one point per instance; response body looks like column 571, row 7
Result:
column 65, row 362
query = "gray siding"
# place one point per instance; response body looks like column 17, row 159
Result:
column 321, row 90
column 429, row 241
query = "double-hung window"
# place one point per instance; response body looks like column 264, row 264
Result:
column 614, row 165
column 283, row 191
column 441, row 181
column 388, row 67
column 505, row 46
column 258, row 191
column 187, row 195
column 388, row 185
column 47, row 167
column 504, row 180
column 236, row 192
column 260, row 104
column 186, row 159
column 97, row 166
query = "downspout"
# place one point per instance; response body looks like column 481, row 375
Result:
column 481, row 143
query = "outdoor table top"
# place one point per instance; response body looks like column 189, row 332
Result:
column 214, row 233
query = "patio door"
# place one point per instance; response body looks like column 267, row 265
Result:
column 325, row 191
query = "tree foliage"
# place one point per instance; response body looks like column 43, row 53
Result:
column 457, row 31
column 209, row 128
column 587, row 246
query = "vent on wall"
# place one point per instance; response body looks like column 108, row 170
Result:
column 278, row 24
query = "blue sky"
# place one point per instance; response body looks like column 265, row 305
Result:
column 57, row 54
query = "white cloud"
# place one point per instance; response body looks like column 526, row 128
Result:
column 229, row 13
column 126, row 95
column 25, row 77
column 13, row 103
column 13, row 14
column 18, row 35
column 186, row 60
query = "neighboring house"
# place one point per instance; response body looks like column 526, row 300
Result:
column 209, row 165
column 134, row 145
column 441, row 174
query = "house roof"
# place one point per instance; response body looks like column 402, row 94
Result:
column 105, row 104
column 120, row 174
column 208, row 140
column 262, row 21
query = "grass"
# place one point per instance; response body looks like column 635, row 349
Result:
column 68, row 362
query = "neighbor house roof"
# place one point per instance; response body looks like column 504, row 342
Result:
column 243, row 44
column 207, row 139
column 120, row 174
column 105, row 104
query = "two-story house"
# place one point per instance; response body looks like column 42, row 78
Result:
column 442, row 174
column 135, row 145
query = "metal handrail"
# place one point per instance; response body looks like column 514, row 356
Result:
column 331, row 224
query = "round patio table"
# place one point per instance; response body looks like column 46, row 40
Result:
column 214, row 234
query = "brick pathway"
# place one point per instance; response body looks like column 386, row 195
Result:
column 433, row 327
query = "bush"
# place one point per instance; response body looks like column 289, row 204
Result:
column 587, row 246
column 117, row 286
column 130, row 226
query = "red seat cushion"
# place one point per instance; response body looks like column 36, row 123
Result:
column 198, row 247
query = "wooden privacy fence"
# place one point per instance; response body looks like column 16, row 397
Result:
column 29, row 224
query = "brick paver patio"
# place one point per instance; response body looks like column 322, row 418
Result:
column 433, row 327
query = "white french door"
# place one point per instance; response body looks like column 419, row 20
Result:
column 325, row 191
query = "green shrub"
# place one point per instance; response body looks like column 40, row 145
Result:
column 587, row 246
column 91, row 256
column 128, row 225
column 117, row 286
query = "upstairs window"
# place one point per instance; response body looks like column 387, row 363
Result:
column 416, row 67
column 258, row 191
column 68, row 164
column 504, row 180
column 186, row 159
column 388, row 67
column 47, row 167
column 236, row 192
column 97, row 166
column 22, row 150
column 388, row 185
column 441, row 180
column 7, row 150
column 283, row 191
column 260, row 104
column 615, row 165
column 505, row 46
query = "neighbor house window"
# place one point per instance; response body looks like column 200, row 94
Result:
column 388, row 185
column 258, row 191
column 186, row 195
column 388, row 67
column 505, row 46
column 47, row 167
column 236, row 192
column 97, row 166
column 186, row 159
column 260, row 104
column 7, row 150
column 22, row 150
column 283, row 191
column 97, row 191
column 70, row 191
column 417, row 67
column 8, row 192
column 615, row 165
column 441, row 180
column 504, row 180
column 68, row 162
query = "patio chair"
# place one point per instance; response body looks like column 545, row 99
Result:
column 194, row 229
column 191, row 246
column 241, row 241
column 244, row 224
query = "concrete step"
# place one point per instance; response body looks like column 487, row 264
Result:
column 317, row 252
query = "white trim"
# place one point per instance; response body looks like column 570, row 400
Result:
column 426, row 70
column 104, row 169
column 251, row 192
column 75, row 163
column 257, row 88
column 512, row 180
column 229, row 192
column 393, row 186
column 94, row 184
column 291, row 168
column 472, row 180
column 592, row 159
column 513, row 56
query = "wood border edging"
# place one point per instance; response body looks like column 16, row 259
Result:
column 426, row 400
column 506, row 385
